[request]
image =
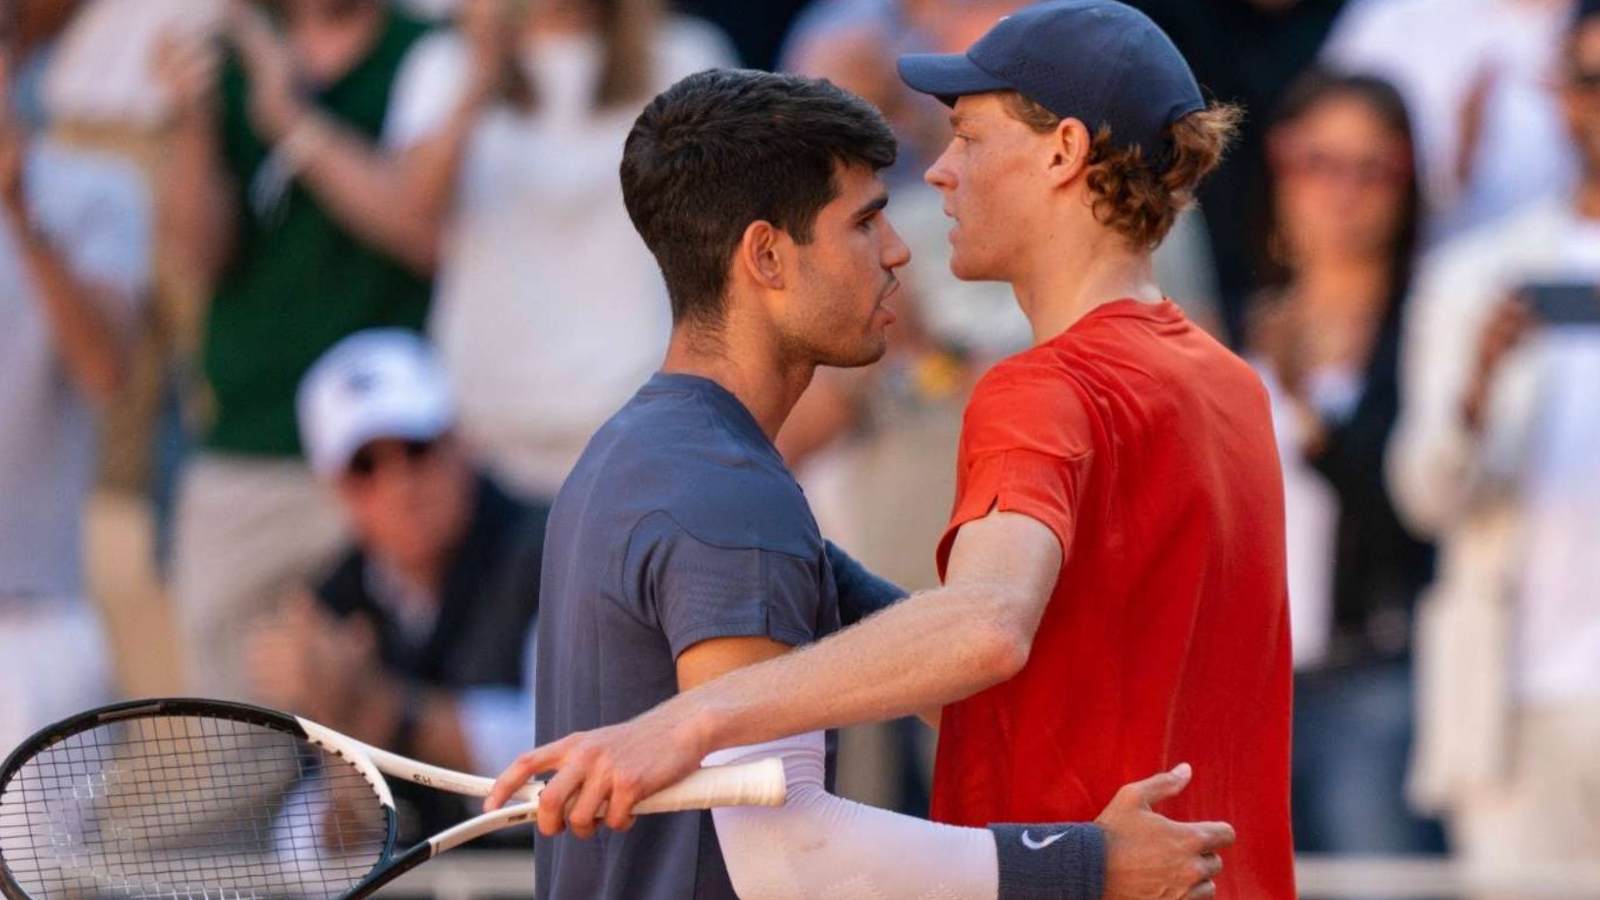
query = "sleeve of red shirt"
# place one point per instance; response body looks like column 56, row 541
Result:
column 1026, row 447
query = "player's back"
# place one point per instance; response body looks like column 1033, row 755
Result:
column 1148, row 449
column 679, row 524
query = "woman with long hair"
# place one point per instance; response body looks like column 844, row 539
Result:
column 1339, row 247
column 549, row 311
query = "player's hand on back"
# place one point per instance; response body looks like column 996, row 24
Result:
column 1150, row 856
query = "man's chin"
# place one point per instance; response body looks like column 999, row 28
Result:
column 865, row 356
column 966, row 269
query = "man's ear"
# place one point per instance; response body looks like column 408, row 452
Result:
column 1068, row 151
column 759, row 255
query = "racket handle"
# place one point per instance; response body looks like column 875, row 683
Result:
column 746, row 784
column 761, row 783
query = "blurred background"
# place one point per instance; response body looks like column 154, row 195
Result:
column 200, row 199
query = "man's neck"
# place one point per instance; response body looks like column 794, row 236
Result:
column 752, row 370
column 1057, row 290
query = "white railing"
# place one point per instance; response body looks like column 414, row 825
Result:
column 1435, row 877
column 469, row 875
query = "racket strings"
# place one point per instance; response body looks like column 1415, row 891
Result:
column 189, row 806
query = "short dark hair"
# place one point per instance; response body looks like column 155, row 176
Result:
column 724, row 148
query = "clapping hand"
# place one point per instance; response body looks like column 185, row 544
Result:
column 186, row 66
column 306, row 660
column 490, row 32
column 274, row 104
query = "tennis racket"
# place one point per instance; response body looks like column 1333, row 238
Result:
column 221, row 801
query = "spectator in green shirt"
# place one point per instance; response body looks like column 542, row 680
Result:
column 285, row 195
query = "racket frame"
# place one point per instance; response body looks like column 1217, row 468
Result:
column 329, row 740
column 760, row 783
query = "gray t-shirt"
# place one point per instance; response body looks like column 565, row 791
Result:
column 95, row 211
column 680, row 523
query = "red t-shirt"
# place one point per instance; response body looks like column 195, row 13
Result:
column 1148, row 449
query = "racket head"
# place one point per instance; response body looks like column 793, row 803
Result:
column 188, row 798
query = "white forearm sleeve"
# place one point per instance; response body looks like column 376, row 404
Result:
column 820, row 845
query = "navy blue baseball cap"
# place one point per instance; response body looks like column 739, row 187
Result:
column 1098, row 61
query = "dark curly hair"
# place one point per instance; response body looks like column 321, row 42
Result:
column 1131, row 195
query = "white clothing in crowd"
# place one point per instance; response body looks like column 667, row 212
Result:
column 549, row 310
column 102, row 68
column 1310, row 528
column 1436, row 52
column 1508, row 637
column 96, row 212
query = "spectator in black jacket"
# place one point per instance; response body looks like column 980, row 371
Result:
column 418, row 641
column 1326, row 335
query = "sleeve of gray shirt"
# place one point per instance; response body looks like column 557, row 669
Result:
column 698, row 590
column 861, row 593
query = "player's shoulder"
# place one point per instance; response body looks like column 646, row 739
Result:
column 668, row 460
column 735, row 512
column 1032, row 401
column 1039, row 379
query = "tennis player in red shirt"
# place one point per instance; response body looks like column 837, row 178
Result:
column 1115, row 595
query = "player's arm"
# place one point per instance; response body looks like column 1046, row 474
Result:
column 821, row 845
column 932, row 649
column 696, row 666
column 818, row 844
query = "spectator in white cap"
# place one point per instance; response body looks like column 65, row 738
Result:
column 418, row 639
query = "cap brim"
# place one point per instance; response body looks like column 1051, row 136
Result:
column 384, row 425
column 947, row 76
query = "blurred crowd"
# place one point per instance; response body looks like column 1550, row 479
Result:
column 307, row 307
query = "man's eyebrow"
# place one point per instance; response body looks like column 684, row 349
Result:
column 957, row 120
column 876, row 204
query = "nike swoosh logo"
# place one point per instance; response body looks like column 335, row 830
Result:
column 1032, row 844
